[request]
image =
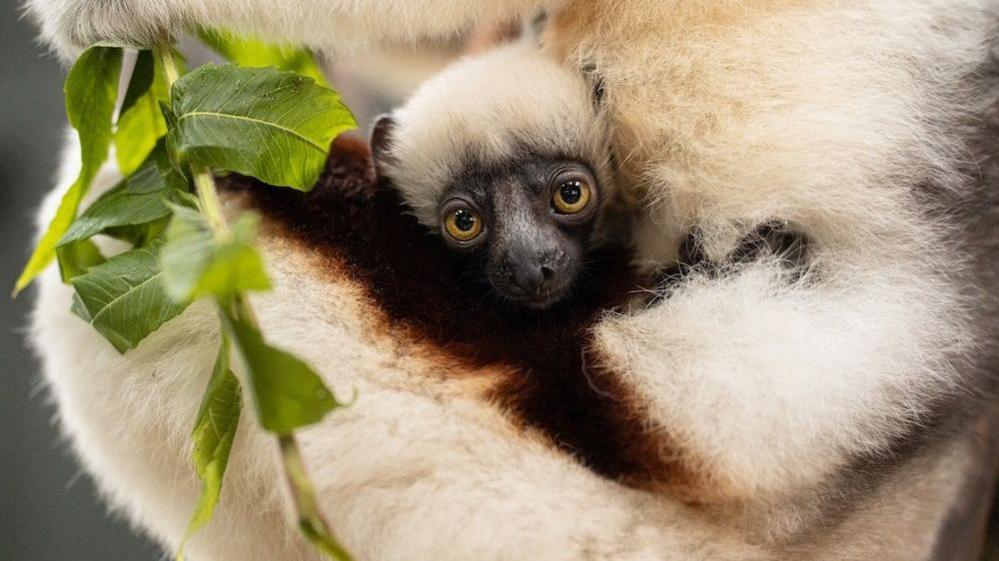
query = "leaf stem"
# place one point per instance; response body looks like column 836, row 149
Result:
column 203, row 182
column 310, row 518
column 311, row 521
column 208, row 196
column 164, row 52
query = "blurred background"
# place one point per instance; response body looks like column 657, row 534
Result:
column 50, row 510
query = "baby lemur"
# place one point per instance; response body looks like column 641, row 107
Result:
column 505, row 155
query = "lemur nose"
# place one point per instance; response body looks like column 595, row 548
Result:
column 530, row 273
column 531, row 277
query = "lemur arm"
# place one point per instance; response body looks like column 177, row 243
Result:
column 769, row 384
column 72, row 25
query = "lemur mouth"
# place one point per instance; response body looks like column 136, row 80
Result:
column 543, row 300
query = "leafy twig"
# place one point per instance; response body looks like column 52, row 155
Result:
column 241, row 322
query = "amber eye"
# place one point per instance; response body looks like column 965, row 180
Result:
column 463, row 224
column 572, row 196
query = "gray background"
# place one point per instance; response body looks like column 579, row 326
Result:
column 49, row 509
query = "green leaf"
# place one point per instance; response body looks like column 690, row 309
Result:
column 196, row 263
column 124, row 298
column 91, row 92
column 140, row 121
column 137, row 200
column 286, row 392
column 272, row 125
column 168, row 116
column 213, row 435
column 143, row 74
column 77, row 258
column 140, row 235
column 246, row 50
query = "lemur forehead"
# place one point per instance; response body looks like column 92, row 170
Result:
column 488, row 109
column 530, row 169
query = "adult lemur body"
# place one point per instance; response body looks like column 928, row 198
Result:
column 816, row 413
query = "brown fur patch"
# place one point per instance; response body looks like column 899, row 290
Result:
column 553, row 384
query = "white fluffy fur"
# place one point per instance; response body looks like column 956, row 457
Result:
column 824, row 115
column 724, row 113
column 72, row 25
column 417, row 468
column 485, row 107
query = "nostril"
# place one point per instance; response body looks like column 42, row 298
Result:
column 547, row 272
column 528, row 280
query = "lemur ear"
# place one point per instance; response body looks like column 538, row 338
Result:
column 596, row 82
column 381, row 141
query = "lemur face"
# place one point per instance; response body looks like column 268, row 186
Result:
column 524, row 225
column 506, row 156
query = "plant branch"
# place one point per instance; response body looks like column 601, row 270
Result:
column 208, row 197
column 311, row 521
column 164, row 52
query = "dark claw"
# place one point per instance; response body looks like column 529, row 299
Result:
column 769, row 239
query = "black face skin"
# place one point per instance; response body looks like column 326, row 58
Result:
column 523, row 226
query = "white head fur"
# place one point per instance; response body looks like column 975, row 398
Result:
column 482, row 109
